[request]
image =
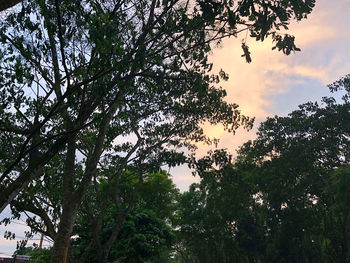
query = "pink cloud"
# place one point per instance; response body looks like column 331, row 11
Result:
column 253, row 86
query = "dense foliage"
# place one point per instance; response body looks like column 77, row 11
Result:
column 93, row 91
column 285, row 197
column 145, row 231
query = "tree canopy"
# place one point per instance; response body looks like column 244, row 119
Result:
column 70, row 64
column 282, row 199
column 92, row 88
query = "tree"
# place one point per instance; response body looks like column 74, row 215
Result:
column 140, row 233
column 36, row 255
column 336, row 223
column 217, row 220
column 142, row 238
column 77, row 77
column 105, row 208
column 296, row 161
column 107, row 228
column 283, row 199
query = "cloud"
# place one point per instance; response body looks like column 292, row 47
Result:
column 275, row 84
column 183, row 178
column 264, row 87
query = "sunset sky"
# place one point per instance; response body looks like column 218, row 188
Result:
column 273, row 84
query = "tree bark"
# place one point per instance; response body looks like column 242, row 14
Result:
column 70, row 207
column 65, row 229
column 103, row 254
column 344, row 245
column 73, row 199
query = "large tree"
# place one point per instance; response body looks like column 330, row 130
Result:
column 285, row 197
column 137, row 228
column 300, row 165
column 116, row 83
column 217, row 216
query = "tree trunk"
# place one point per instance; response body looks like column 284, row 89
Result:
column 344, row 245
column 72, row 200
column 86, row 252
column 62, row 241
column 103, row 254
column 71, row 203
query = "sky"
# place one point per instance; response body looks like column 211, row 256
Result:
column 273, row 84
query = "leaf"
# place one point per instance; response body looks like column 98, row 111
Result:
column 246, row 53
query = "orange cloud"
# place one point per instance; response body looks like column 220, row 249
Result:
column 271, row 73
column 323, row 38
